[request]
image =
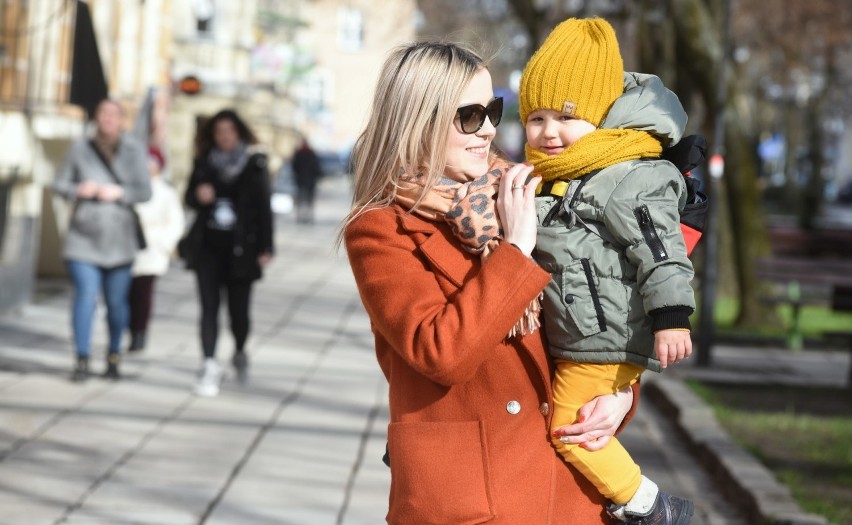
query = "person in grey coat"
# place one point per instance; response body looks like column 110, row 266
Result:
column 103, row 177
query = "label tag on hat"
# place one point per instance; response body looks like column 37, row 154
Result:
column 569, row 107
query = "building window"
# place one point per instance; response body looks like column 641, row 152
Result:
column 317, row 89
column 350, row 29
column 204, row 13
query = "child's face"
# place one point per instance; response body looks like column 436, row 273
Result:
column 552, row 131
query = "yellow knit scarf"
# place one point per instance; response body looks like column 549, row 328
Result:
column 597, row 150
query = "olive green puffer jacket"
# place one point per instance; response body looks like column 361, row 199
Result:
column 614, row 249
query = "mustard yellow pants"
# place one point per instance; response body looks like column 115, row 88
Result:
column 611, row 470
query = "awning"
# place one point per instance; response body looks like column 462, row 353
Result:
column 88, row 83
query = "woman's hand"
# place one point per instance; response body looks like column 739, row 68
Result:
column 109, row 192
column 87, row 189
column 205, row 194
column 597, row 420
column 516, row 206
column 263, row 259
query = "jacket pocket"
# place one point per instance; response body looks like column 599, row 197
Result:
column 580, row 298
column 439, row 473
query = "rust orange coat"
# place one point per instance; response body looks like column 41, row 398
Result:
column 440, row 318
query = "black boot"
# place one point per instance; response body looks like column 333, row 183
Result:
column 81, row 370
column 667, row 510
column 240, row 362
column 137, row 341
column 112, row 366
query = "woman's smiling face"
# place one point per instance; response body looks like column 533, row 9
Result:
column 467, row 154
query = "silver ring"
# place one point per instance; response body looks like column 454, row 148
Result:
column 514, row 187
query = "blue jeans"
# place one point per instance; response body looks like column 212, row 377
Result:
column 88, row 280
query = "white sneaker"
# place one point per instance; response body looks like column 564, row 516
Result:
column 209, row 377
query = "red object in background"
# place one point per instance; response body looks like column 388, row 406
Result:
column 690, row 237
column 189, row 85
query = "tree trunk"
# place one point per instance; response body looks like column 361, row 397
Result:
column 811, row 202
column 700, row 41
column 531, row 19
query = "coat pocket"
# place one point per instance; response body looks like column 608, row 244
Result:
column 439, row 473
column 580, row 298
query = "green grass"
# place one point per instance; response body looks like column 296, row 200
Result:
column 814, row 321
column 803, row 435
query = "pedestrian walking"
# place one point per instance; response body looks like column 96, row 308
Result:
column 450, row 291
column 103, row 177
column 231, row 238
column 620, row 298
column 163, row 222
column 307, row 172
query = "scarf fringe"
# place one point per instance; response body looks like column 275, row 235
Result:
column 530, row 321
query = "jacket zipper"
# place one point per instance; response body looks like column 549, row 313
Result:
column 649, row 232
column 593, row 290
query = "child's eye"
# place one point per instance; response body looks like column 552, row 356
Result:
column 565, row 118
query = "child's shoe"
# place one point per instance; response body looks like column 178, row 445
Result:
column 651, row 506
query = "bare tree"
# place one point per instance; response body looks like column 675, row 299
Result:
column 802, row 64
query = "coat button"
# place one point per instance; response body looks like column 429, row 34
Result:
column 544, row 409
column 513, row 407
column 569, row 298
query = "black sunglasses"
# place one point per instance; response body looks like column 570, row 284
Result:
column 472, row 117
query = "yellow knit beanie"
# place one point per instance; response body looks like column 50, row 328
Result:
column 577, row 70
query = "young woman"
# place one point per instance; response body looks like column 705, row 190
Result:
column 231, row 239
column 103, row 177
column 451, row 294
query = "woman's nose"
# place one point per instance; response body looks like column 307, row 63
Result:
column 487, row 129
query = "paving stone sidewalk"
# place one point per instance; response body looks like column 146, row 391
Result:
column 300, row 444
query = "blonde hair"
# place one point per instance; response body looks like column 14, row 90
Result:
column 413, row 108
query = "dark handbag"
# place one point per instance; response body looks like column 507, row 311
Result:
column 140, row 233
column 189, row 245
column 137, row 224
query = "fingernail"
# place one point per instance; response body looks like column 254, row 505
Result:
column 581, row 419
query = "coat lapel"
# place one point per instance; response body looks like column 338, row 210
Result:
column 441, row 249
column 438, row 245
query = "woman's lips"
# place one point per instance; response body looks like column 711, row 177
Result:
column 479, row 151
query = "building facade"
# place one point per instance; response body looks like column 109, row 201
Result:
column 39, row 118
column 292, row 68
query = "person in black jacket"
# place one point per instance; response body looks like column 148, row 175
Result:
column 307, row 172
column 231, row 239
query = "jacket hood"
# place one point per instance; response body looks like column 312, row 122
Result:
column 647, row 105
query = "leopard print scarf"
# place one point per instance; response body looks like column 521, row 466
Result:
column 470, row 210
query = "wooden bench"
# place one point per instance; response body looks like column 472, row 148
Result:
column 787, row 240
column 805, row 281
